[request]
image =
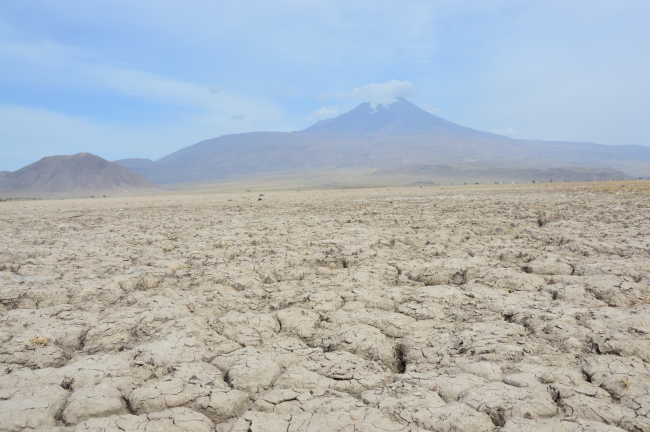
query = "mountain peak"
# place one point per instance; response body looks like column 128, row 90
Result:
column 400, row 117
column 384, row 135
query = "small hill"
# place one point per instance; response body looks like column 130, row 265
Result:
column 444, row 173
column 80, row 174
column 4, row 173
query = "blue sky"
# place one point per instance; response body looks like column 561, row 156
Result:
column 145, row 78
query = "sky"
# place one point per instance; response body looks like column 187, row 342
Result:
column 136, row 78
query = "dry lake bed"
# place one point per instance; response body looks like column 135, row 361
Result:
column 413, row 309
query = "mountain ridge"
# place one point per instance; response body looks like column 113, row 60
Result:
column 386, row 136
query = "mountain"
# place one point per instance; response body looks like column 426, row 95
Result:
column 137, row 163
column 4, row 173
column 443, row 173
column 384, row 136
column 398, row 118
column 82, row 173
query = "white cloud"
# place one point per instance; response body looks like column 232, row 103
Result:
column 324, row 112
column 323, row 97
column 504, row 132
column 168, row 91
column 430, row 108
column 286, row 91
column 79, row 68
column 385, row 93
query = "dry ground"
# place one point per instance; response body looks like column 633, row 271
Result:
column 441, row 309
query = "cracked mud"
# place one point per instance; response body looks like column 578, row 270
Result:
column 420, row 309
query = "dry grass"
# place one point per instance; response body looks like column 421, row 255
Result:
column 180, row 267
column 645, row 300
column 39, row 341
column 627, row 382
column 622, row 187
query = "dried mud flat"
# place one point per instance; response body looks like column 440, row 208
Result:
column 437, row 309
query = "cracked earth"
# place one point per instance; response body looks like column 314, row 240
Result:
column 419, row 309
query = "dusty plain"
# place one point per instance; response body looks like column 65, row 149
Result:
column 413, row 309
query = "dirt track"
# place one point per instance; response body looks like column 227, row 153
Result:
column 441, row 309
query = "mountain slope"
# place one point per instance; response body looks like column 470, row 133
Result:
column 82, row 173
column 136, row 163
column 473, row 173
column 398, row 118
column 384, row 136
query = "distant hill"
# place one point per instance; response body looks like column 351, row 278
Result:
column 398, row 134
column 470, row 174
column 4, row 173
column 82, row 173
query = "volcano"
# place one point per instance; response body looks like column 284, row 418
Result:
column 380, row 136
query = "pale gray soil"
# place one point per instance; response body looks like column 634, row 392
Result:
column 438, row 309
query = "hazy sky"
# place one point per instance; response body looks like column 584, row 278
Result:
column 144, row 78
